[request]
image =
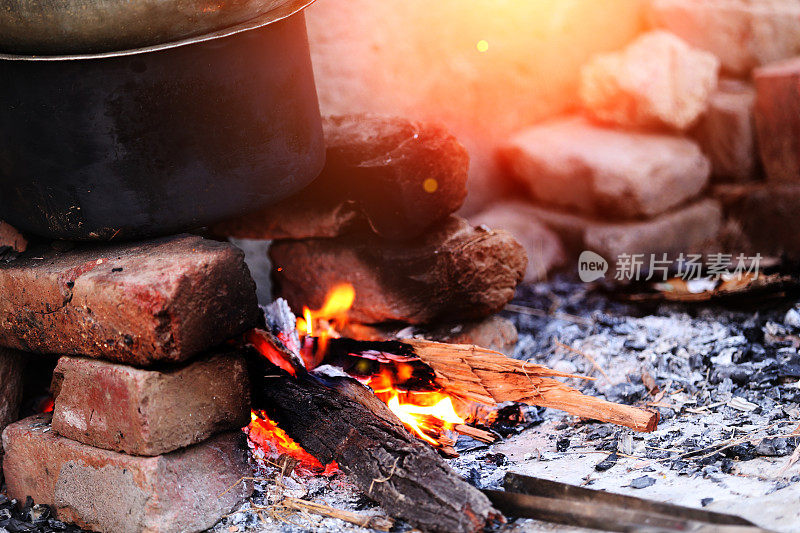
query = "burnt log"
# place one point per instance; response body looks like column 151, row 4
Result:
column 338, row 419
column 455, row 272
column 395, row 176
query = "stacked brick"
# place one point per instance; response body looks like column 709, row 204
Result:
column 676, row 150
column 145, row 434
column 624, row 177
column 750, row 130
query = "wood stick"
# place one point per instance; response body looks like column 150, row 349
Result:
column 490, row 377
column 475, row 433
column 370, row 522
column 338, row 419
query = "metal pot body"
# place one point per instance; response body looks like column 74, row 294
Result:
column 81, row 26
column 158, row 141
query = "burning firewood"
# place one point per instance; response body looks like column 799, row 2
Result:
column 338, row 419
column 489, row 377
column 474, row 374
column 413, row 385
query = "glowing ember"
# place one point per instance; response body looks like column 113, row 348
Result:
column 267, row 436
column 47, row 405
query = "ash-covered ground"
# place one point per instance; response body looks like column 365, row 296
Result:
column 726, row 382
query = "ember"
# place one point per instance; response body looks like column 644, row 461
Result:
column 268, row 437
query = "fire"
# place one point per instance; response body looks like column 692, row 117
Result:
column 324, row 323
column 423, row 409
column 266, row 434
column 337, row 304
column 423, row 420
column 426, row 414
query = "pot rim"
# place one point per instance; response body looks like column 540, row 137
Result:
column 280, row 13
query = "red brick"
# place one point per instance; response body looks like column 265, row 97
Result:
column 11, row 367
column 743, row 34
column 139, row 303
column 778, row 119
column 595, row 171
column 395, row 176
column 149, row 412
column 106, row 491
column 689, row 229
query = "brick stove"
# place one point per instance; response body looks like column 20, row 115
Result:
column 149, row 397
column 145, row 429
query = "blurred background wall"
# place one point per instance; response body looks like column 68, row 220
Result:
column 483, row 67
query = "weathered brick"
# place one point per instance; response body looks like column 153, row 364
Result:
column 454, row 272
column 12, row 364
column 743, row 34
column 138, row 303
column 110, row 492
column 658, row 81
column 11, row 238
column 605, row 173
column 149, row 412
column 727, row 133
column 778, row 119
column 765, row 216
column 396, row 176
column 689, row 229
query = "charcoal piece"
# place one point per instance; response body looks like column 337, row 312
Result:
column 607, row 463
column 643, row 482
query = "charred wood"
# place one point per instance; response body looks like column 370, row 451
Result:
column 338, row 419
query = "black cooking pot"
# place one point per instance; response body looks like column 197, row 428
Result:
column 162, row 139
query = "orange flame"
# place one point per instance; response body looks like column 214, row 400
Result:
column 338, row 302
column 425, row 414
column 425, row 420
column 266, row 434
column 325, row 322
